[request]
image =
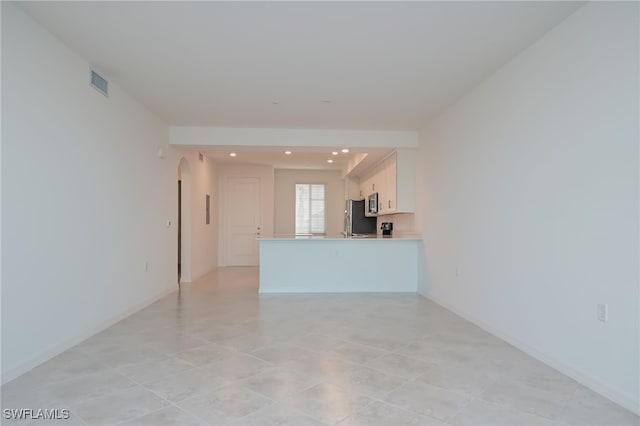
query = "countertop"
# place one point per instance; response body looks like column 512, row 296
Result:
column 339, row 238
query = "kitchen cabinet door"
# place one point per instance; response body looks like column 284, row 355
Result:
column 390, row 167
column 381, row 188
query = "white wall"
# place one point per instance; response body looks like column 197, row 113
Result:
column 285, row 198
column 85, row 199
column 266, row 176
column 204, row 238
column 530, row 184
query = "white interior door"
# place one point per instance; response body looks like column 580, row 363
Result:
column 243, row 217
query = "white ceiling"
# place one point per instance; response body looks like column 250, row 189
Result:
column 321, row 65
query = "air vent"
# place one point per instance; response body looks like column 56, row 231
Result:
column 99, row 83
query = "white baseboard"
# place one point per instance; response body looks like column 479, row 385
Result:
column 25, row 366
column 621, row 398
column 199, row 277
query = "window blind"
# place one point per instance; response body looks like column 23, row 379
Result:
column 310, row 209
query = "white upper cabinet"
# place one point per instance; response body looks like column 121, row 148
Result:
column 390, row 170
column 394, row 181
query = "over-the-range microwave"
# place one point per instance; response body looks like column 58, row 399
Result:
column 373, row 203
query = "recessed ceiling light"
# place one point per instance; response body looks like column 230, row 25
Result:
column 344, row 151
column 326, row 101
column 334, row 153
column 233, row 154
column 287, row 152
column 275, row 102
column 329, row 161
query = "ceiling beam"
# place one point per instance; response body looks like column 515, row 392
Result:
column 262, row 137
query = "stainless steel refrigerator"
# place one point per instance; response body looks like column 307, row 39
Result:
column 355, row 222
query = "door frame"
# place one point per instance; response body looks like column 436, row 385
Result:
column 184, row 176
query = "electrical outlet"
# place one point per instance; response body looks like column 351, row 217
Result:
column 458, row 271
column 603, row 312
column 146, row 266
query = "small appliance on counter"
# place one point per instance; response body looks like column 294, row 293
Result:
column 387, row 229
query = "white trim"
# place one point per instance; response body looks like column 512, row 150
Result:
column 25, row 366
column 619, row 397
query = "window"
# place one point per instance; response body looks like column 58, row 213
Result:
column 310, row 209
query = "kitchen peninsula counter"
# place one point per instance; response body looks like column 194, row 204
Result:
column 341, row 237
column 339, row 264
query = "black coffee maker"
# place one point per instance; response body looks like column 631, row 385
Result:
column 387, row 229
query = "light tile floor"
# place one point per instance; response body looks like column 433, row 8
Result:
column 217, row 353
